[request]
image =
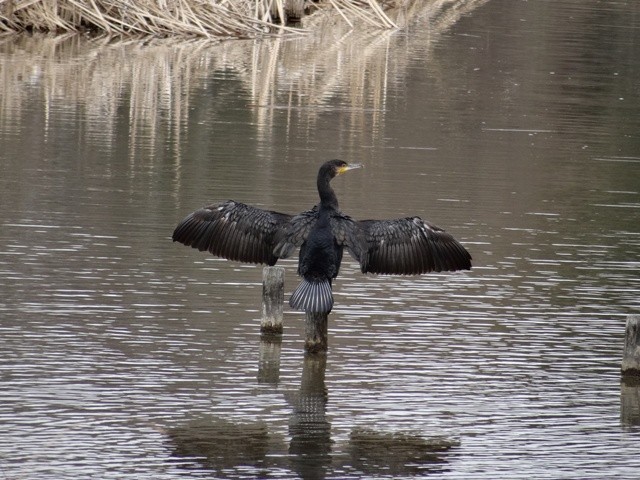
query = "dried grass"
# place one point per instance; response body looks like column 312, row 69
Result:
column 186, row 18
column 297, row 75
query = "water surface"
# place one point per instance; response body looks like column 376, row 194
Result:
column 514, row 125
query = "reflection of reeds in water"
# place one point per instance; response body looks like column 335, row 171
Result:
column 93, row 78
column 159, row 84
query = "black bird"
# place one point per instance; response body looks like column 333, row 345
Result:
column 404, row 246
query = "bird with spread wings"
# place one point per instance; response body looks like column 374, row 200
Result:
column 403, row 246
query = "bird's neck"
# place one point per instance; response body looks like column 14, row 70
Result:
column 328, row 199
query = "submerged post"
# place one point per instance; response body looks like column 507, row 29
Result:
column 272, row 300
column 631, row 354
column 315, row 332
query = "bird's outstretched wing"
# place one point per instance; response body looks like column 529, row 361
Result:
column 349, row 234
column 295, row 232
column 234, row 231
column 409, row 246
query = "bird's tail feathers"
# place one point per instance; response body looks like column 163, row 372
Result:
column 312, row 296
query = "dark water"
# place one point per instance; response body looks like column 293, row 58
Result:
column 514, row 125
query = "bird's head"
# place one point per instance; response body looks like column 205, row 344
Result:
column 338, row 167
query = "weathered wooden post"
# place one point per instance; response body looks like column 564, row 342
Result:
column 272, row 300
column 315, row 325
column 630, row 384
column 294, row 10
column 315, row 332
column 631, row 354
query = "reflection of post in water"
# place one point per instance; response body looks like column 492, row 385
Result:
column 222, row 446
column 630, row 402
column 269, row 361
column 310, row 431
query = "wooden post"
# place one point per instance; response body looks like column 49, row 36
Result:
column 631, row 355
column 315, row 330
column 272, row 300
column 294, row 10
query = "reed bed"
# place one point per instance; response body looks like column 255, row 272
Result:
column 162, row 80
column 187, row 18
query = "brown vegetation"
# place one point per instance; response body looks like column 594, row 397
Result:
column 195, row 18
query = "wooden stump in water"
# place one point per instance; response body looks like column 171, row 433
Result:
column 315, row 332
column 294, row 10
column 272, row 300
column 272, row 311
column 631, row 355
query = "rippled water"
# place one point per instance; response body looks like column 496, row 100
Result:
column 514, row 125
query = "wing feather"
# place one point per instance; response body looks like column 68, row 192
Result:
column 234, row 231
column 409, row 246
column 295, row 233
column 348, row 233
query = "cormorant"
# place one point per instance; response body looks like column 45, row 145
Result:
column 404, row 246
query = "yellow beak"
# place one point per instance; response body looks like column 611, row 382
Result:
column 346, row 168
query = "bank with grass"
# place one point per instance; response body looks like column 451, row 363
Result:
column 192, row 18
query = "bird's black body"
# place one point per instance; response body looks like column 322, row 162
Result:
column 318, row 264
column 403, row 246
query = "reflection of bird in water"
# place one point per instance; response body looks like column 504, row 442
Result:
column 404, row 246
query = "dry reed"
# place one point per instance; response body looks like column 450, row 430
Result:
column 186, row 18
